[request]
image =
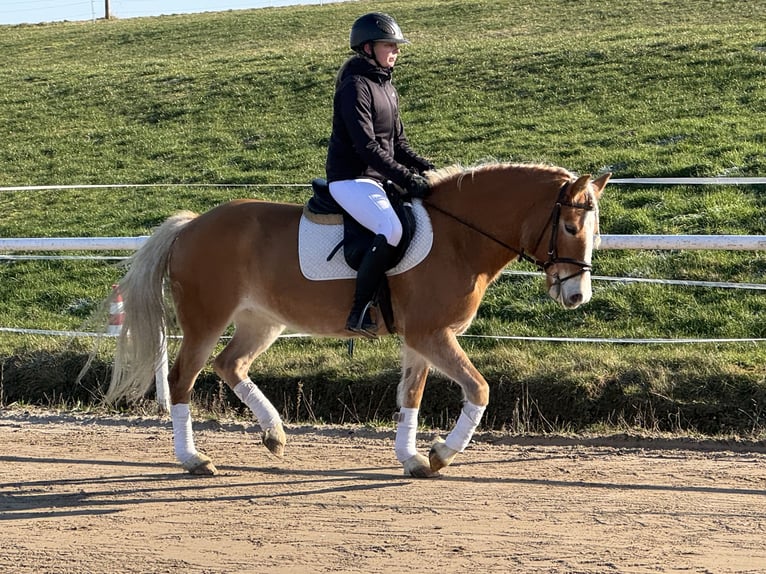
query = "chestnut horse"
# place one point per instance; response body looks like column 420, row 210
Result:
column 238, row 264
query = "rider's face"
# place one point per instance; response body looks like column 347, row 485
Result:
column 386, row 53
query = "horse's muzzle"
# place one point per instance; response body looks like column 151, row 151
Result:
column 571, row 291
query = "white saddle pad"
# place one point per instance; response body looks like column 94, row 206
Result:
column 316, row 242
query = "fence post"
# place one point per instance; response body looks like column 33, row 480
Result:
column 161, row 376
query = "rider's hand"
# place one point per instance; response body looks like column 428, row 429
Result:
column 418, row 186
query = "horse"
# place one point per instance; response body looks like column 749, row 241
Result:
column 237, row 264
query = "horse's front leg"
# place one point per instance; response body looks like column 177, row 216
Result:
column 414, row 373
column 444, row 352
column 444, row 451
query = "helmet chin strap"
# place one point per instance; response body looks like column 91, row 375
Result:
column 372, row 56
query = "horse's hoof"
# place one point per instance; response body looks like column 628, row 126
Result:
column 417, row 466
column 200, row 465
column 441, row 455
column 274, row 439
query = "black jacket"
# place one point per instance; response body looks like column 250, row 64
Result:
column 367, row 134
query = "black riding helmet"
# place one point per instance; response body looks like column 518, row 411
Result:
column 375, row 27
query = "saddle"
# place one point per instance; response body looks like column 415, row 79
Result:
column 321, row 208
column 357, row 239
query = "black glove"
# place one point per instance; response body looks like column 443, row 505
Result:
column 418, row 186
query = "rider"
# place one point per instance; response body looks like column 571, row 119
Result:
column 368, row 147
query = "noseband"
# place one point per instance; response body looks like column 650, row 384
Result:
column 553, row 219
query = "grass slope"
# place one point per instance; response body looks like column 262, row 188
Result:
column 640, row 88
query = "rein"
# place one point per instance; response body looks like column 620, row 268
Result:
column 553, row 219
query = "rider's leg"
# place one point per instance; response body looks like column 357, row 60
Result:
column 368, row 279
column 366, row 201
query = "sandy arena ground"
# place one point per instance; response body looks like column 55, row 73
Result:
column 81, row 494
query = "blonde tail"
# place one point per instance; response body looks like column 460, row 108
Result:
column 139, row 344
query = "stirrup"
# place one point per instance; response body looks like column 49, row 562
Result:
column 368, row 333
column 364, row 325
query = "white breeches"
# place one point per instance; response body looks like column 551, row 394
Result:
column 365, row 200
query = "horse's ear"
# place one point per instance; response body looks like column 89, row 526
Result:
column 579, row 187
column 581, row 183
column 599, row 184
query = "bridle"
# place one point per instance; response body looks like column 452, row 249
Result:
column 553, row 220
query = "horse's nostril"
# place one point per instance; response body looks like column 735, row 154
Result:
column 575, row 299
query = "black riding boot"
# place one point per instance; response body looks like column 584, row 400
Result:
column 368, row 279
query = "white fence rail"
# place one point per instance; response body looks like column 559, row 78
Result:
column 614, row 242
column 613, row 181
column 72, row 243
column 690, row 242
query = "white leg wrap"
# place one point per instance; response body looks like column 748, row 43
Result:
column 183, row 441
column 469, row 419
column 264, row 411
column 406, row 431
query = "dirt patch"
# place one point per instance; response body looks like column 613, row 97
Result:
column 98, row 494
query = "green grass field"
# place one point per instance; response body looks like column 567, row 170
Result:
column 640, row 88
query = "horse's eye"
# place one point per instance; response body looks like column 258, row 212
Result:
column 571, row 229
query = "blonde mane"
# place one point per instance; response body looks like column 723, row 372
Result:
column 457, row 171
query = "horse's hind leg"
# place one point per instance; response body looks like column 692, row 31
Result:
column 414, row 373
column 192, row 356
column 253, row 335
